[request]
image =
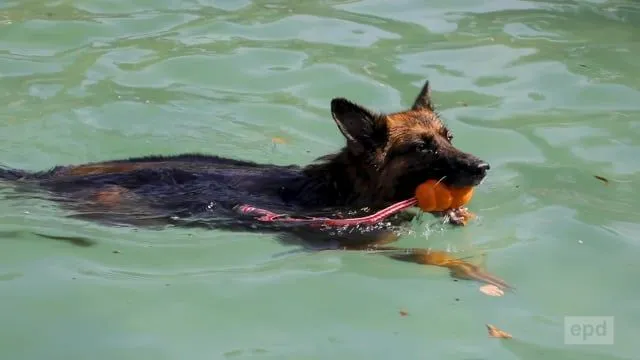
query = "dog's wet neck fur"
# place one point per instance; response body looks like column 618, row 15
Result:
column 342, row 179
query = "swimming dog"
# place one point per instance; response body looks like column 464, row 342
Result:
column 385, row 157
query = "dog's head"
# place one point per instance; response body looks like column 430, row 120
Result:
column 398, row 151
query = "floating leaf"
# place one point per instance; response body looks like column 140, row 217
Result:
column 497, row 333
column 279, row 140
column 491, row 290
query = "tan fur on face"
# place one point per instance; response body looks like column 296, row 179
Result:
column 403, row 128
column 410, row 126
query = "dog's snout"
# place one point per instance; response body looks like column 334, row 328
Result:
column 484, row 166
column 464, row 169
column 479, row 169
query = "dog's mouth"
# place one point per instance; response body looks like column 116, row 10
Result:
column 455, row 181
column 470, row 176
column 464, row 181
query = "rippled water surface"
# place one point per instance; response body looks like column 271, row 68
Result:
column 547, row 92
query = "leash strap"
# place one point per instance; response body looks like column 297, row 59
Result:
column 269, row 216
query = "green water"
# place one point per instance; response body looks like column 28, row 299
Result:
column 547, row 92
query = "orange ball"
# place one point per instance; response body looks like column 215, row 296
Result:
column 435, row 196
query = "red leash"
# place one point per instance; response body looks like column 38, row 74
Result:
column 268, row 216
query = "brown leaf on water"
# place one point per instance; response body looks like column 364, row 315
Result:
column 403, row 313
column 491, row 290
column 603, row 179
column 497, row 333
column 279, row 140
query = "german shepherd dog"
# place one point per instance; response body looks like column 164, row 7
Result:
column 385, row 158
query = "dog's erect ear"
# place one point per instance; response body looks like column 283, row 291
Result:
column 423, row 100
column 356, row 123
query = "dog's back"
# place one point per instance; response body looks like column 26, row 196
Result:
column 189, row 187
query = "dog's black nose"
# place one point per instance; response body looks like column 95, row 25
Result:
column 484, row 166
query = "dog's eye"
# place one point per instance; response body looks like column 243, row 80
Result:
column 449, row 136
column 423, row 147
